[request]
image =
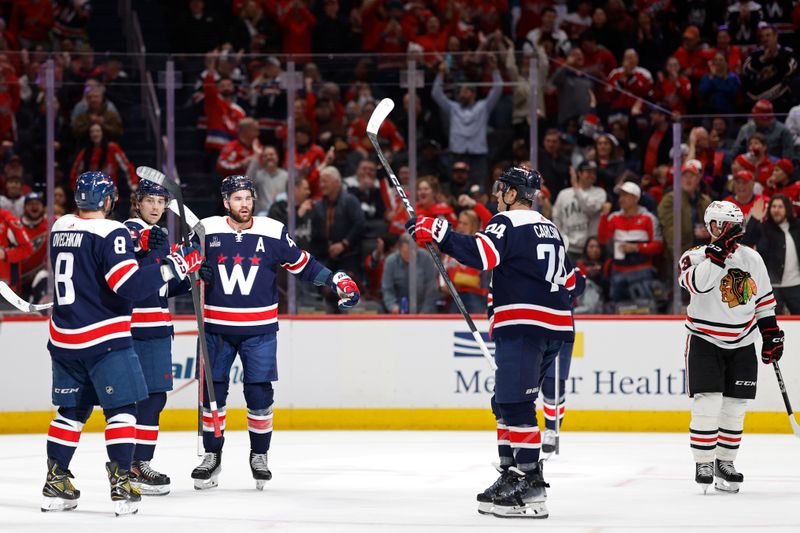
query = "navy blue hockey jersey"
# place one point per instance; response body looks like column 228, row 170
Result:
column 242, row 298
column 96, row 278
column 150, row 316
column 533, row 280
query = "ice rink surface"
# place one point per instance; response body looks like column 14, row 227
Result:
column 378, row 481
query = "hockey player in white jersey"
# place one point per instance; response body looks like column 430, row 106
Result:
column 731, row 297
column 96, row 279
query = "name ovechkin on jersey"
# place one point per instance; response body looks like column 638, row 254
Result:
column 242, row 297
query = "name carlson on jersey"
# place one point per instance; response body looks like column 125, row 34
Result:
column 68, row 239
column 546, row 231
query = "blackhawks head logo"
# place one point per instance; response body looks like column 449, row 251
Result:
column 737, row 287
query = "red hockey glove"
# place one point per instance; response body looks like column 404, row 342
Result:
column 152, row 239
column 346, row 288
column 772, row 346
column 185, row 260
column 429, row 229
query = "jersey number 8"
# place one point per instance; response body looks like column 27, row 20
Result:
column 65, row 290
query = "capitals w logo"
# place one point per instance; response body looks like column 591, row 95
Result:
column 237, row 279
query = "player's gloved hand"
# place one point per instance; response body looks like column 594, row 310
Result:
column 429, row 229
column 730, row 237
column 772, row 347
column 185, row 260
column 411, row 227
column 346, row 288
column 717, row 254
column 206, row 272
column 152, row 239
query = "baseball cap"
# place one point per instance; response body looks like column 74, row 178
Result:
column 692, row 165
column 744, row 175
column 743, row 161
column 691, row 32
column 476, row 189
column 786, row 166
column 587, row 165
column 763, row 107
column 33, row 196
column 630, row 188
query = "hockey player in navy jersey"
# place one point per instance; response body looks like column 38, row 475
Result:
column 151, row 328
column 551, row 405
column 96, row 279
column 241, row 316
column 730, row 297
column 530, row 318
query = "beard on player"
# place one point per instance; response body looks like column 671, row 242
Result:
column 241, row 215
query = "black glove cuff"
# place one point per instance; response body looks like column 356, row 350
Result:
column 767, row 323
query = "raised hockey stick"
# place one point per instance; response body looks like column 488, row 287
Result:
column 382, row 111
column 191, row 219
column 786, row 402
column 151, row 174
column 10, row 297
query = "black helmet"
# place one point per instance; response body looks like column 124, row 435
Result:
column 526, row 181
column 234, row 183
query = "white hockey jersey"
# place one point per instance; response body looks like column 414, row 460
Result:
column 726, row 303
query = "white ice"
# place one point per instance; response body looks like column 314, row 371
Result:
column 371, row 481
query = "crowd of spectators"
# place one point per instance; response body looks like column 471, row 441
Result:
column 612, row 77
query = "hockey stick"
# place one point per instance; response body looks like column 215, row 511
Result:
column 191, row 219
column 382, row 111
column 18, row 303
column 786, row 402
column 151, row 174
column 557, row 383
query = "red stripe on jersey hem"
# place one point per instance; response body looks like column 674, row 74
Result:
column 89, row 336
column 240, row 316
column 530, row 314
column 154, row 316
column 63, row 433
column 717, row 333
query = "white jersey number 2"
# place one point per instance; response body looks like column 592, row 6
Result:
column 65, row 290
column 556, row 273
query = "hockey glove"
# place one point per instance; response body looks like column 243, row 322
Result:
column 411, row 227
column 717, row 254
column 152, row 239
column 730, row 237
column 206, row 272
column 772, row 346
column 429, row 229
column 185, row 260
column 346, row 288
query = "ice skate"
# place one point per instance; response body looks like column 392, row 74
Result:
column 486, row 498
column 149, row 482
column 704, row 475
column 548, row 443
column 59, row 492
column 258, row 465
column 207, row 472
column 524, row 497
column 125, row 496
column 726, row 478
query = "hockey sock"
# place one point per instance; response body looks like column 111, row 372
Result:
column 259, row 398
column 731, row 426
column 210, row 442
column 503, row 444
column 704, row 426
column 549, row 402
column 148, row 412
column 523, row 433
column 64, row 434
column 121, row 434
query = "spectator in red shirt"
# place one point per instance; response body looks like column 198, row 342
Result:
column 780, row 182
column 757, row 154
column 9, row 103
column 631, row 78
column 35, row 224
column 14, row 245
column 743, row 195
column 673, row 88
column 732, row 53
column 468, row 281
column 357, row 132
column 31, row 21
column 310, row 157
column 635, row 237
column 98, row 153
column 597, row 60
column 235, row 157
column 298, row 25
column 220, row 107
column 433, row 40
column 693, row 55
column 659, row 142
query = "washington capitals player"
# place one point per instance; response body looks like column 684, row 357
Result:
column 241, row 316
column 96, row 278
column 529, row 318
column 731, row 297
column 151, row 328
column 551, row 405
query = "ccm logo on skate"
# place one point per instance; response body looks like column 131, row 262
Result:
column 66, row 391
column 745, row 383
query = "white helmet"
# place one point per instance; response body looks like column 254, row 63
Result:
column 723, row 213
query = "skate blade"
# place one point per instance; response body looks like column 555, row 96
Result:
column 260, row 484
column 704, row 487
column 151, row 490
column 731, row 487
column 544, row 456
column 125, row 508
column 485, row 508
column 205, row 484
column 58, row 504
column 535, row 510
